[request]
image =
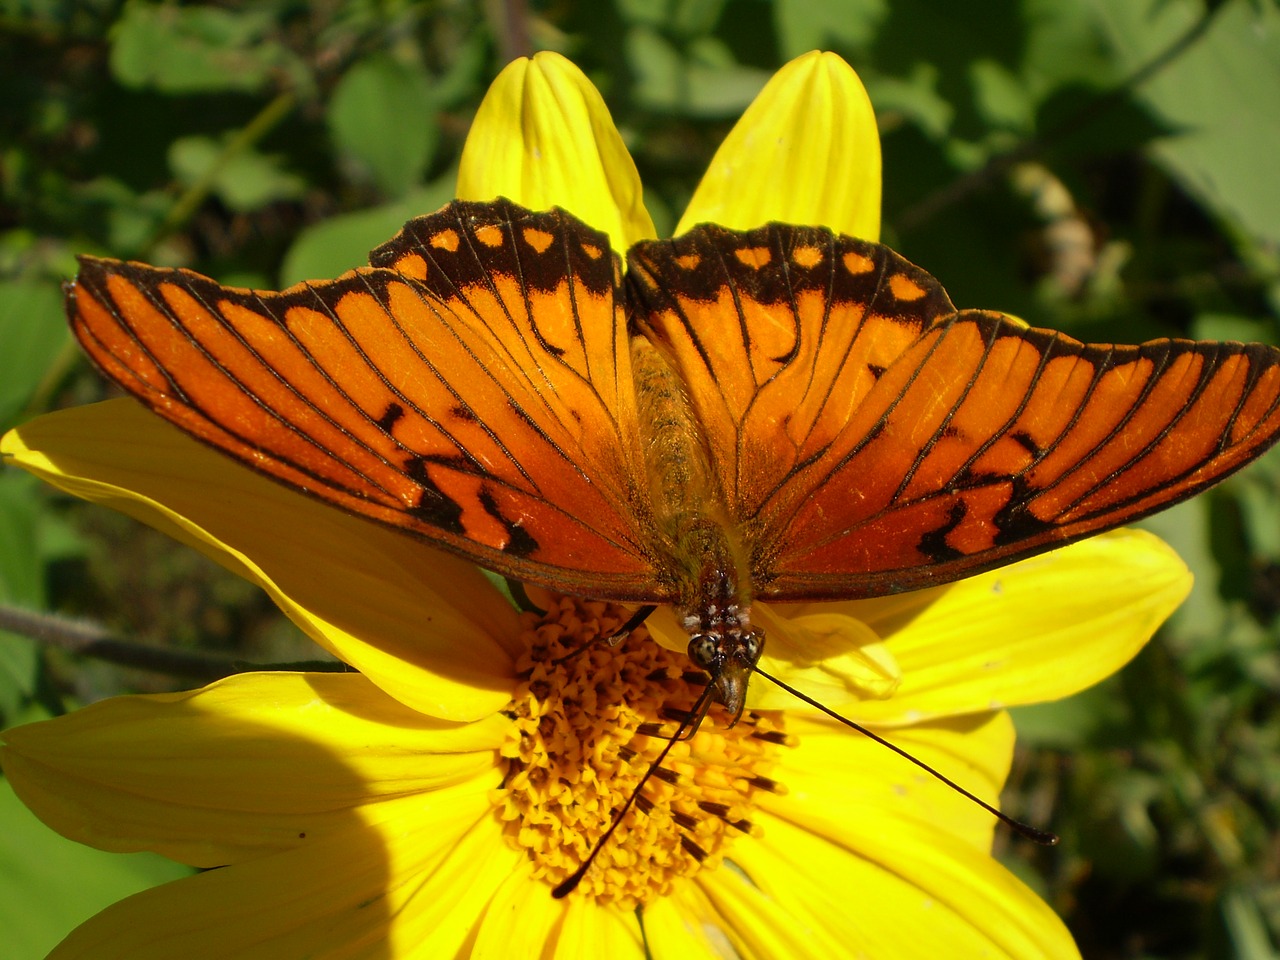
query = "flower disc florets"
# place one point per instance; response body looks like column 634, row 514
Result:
column 588, row 722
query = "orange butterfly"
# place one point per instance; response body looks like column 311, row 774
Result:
column 782, row 414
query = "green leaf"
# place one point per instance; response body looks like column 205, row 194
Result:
column 913, row 98
column 1070, row 723
column 244, row 180
column 32, row 330
column 1221, row 95
column 1000, row 96
column 1246, row 925
column 658, row 68
column 343, row 243
column 1062, row 49
column 805, row 25
column 382, row 120
column 196, row 49
column 708, row 84
column 1228, row 326
column 50, row 885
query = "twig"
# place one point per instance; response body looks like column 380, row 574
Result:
column 90, row 640
column 191, row 198
column 511, row 27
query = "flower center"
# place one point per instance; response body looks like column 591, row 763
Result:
column 588, row 722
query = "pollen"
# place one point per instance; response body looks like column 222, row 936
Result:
column 588, row 721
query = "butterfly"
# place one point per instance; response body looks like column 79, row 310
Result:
column 777, row 414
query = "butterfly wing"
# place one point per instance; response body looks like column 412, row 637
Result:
column 869, row 439
column 472, row 387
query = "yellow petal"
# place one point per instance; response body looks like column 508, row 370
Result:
column 685, row 925
column 835, row 658
column 835, row 774
column 1036, row 630
column 807, row 151
column 413, row 885
column 524, row 920
column 543, row 137
column 250, row 765
column 519, row 920
column 422, row 625
column 907, row 890
column 590, row 930
column 751, row 925
column 438, row 908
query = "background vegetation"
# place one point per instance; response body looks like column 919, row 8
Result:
column 1107, row 167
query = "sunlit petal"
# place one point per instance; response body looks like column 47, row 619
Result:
column 543, row 137
column 685, row 926
column 588, row 931
column 807, row 151
column 253, row 764
column 1033, row 631
column 975, row 751
column 520, row 920
column 908, row 890
column 835, row 658
column 759, row 926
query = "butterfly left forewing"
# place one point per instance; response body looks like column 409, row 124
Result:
column 436, row 417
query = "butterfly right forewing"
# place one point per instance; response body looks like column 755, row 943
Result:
column 869, row 439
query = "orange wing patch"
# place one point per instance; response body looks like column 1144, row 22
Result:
column 754, row 257
column 904, row 288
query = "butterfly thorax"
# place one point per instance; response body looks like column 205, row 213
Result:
column 705, row 562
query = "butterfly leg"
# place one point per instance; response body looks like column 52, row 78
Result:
column 635, row 620
column 521, row 597
column 615, row 638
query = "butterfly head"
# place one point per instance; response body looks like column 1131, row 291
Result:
column 729, row 656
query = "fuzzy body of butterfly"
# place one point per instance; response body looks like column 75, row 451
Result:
column 779, row 414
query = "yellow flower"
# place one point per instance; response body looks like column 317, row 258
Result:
column 426, row 805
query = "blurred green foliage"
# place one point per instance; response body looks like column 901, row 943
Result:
column 1107, row 167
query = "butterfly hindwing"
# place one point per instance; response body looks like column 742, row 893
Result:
column 871, row 440
column 487, row 414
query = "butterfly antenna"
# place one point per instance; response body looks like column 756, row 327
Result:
column 567, row 886
column 1031, row 833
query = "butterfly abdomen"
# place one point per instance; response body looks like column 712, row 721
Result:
column 705, row 557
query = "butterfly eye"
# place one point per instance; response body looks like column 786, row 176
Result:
column 704, row 651
column 753, row 645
